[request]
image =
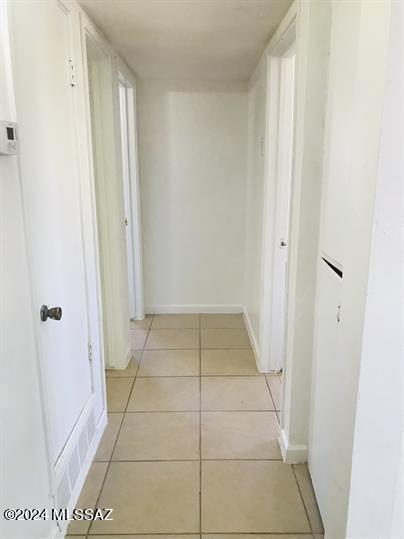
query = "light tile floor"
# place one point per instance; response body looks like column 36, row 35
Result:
column 191, row 445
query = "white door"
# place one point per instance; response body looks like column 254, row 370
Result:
column 126, row 176
column 328, row 458
column 282, row 206
column 51, row 198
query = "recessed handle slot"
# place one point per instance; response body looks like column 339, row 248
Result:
column 333, row 267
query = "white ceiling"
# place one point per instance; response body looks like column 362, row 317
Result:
column 189, row 39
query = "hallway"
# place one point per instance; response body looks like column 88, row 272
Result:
column 192, row 409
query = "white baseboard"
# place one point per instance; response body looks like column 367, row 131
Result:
column 190, row 309
column 292, row 454
column 128, row 356
column 251, row 335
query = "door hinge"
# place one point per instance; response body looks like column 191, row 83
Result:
column 72, row 74
column 90, row 351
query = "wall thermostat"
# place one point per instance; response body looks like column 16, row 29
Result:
column 8, row 138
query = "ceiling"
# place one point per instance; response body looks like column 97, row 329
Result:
column 188, row 39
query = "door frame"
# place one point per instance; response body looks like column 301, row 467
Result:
column 102, row 51
column 135, row 264
column 108, row 193
column 268, row 361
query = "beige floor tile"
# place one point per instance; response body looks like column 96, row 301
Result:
column 108, row 439
column 275, row 387
column 228, row 362
column 225, row 338
column 118, row 391
column 131, row 369
column 151, row 497
column 89, row 495
column 169, row 363
column 252, row 536
column 137, row 338
column 222, row 321
column 140, row 536
column 141, row 324
column 235, row 393
column 159, row 436
column 161, row 339
column 240, row 435
column 251, row 496
column 175, row 321
column 165, row 395
column 309, row 498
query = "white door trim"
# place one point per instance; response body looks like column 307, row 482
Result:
column 270, row 242
column 136, row 248
column 109, row 205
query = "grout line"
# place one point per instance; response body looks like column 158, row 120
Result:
column 213, row 459
column 194, row 327
column 195, row 376
column 183, row 534
column 119, row 431
column 272, row 400
column 204, row 349
column 190, row 411
column 190, row 376
column 88, row 533
column 302, row 498
column 249, row 376
column 200, row 428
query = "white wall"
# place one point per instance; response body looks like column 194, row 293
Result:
column 257, row 112
column 377, row 465
column 312, row 54
column 192, row 155
column 359, row 38
column 24, row 461
column 312, row 49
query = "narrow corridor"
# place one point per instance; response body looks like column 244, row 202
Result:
column 191, row 444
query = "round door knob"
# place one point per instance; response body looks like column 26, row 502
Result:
column 54, row 312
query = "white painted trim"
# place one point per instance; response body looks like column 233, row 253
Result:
column 292, row 454
column 269, row 242
column 87, row 30
column 89, row 223
column 252, row 338
column 134, row 180
column 189, row 309
column 287, row 21
column 129, row 355
column 100, row 428
column 109, row 166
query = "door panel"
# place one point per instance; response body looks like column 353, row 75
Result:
column 282, row 209
column 123, row 110
column 328, row 421
column 51, row 196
